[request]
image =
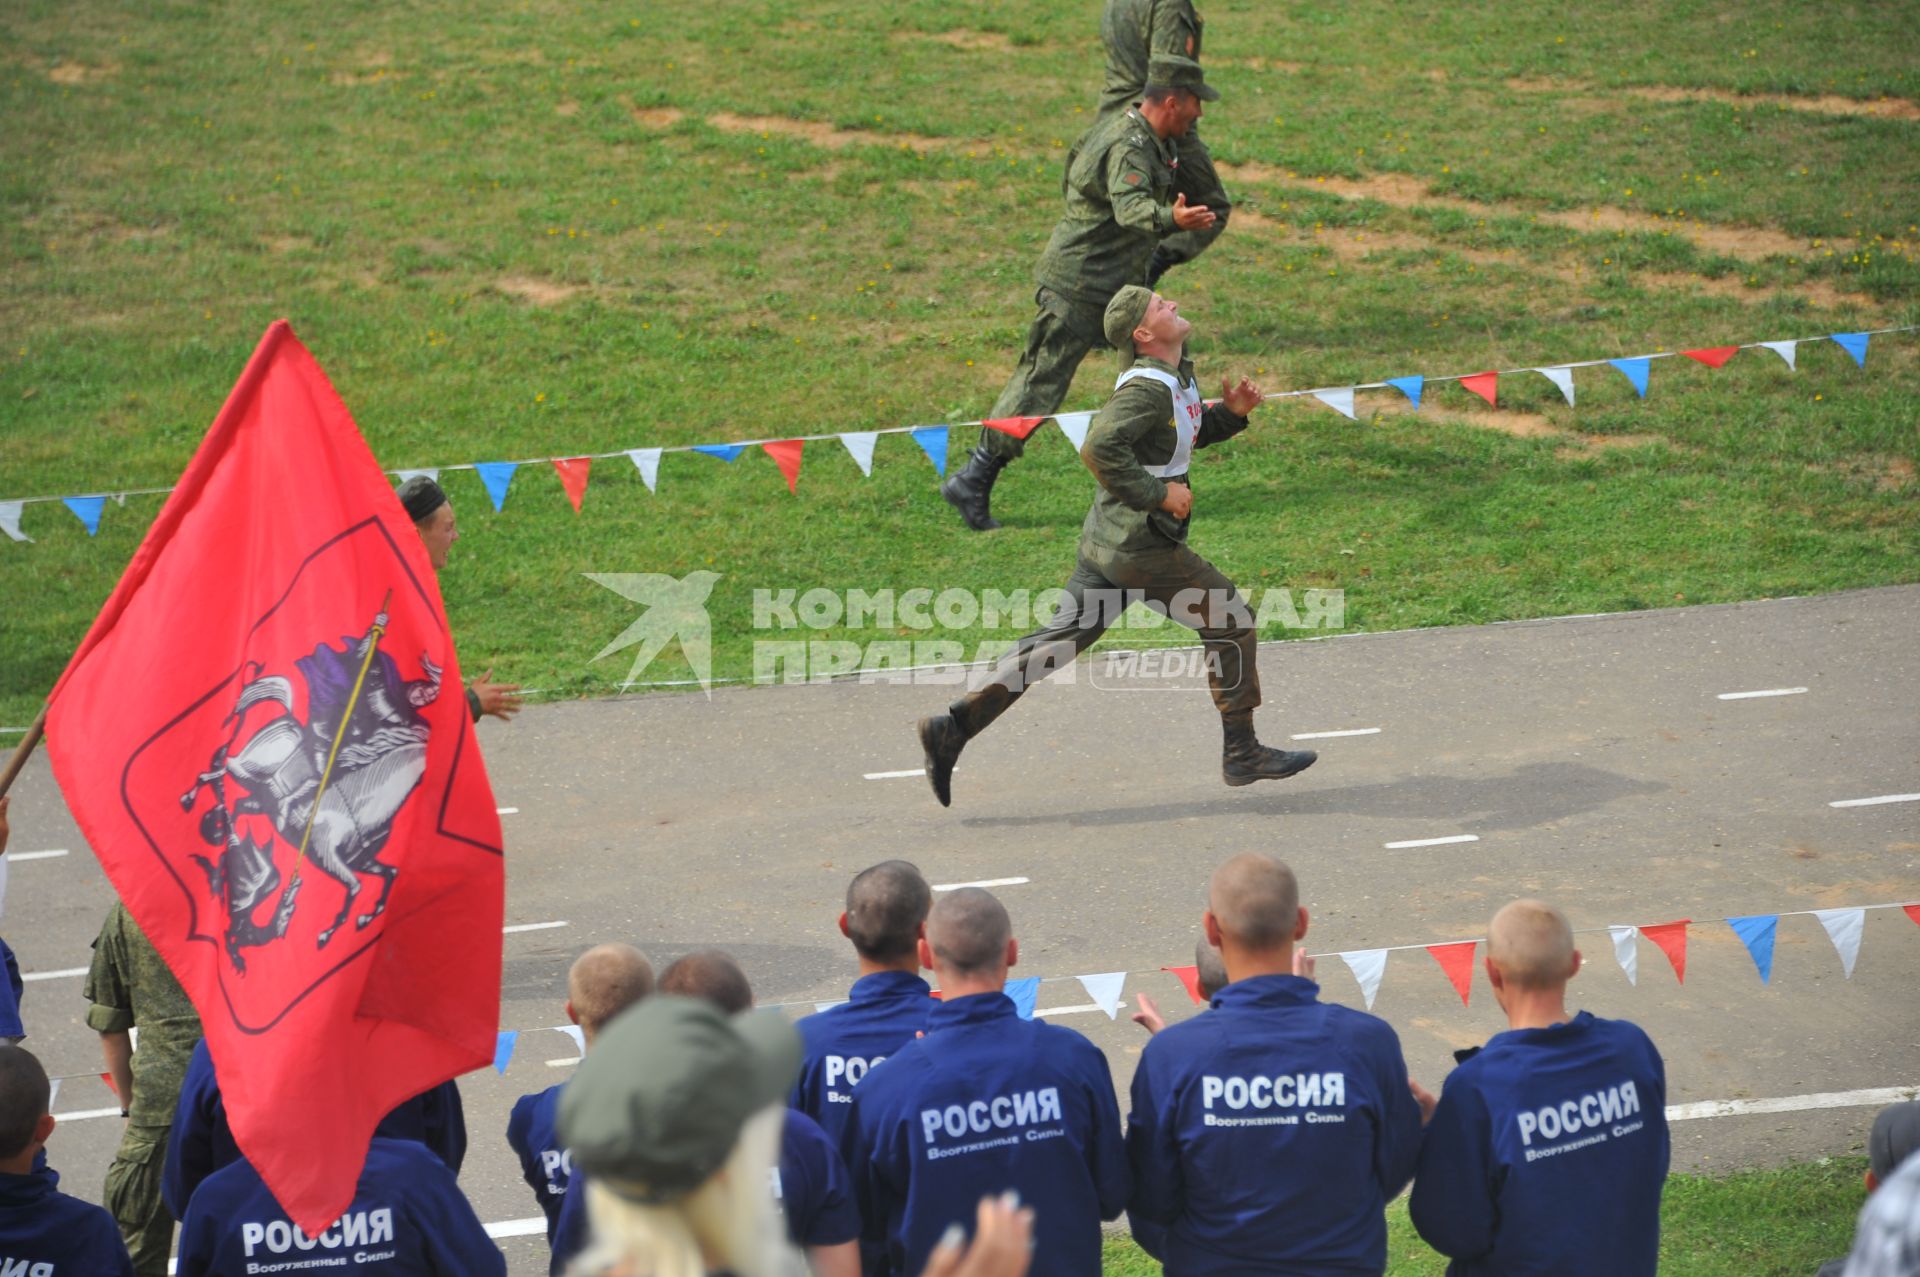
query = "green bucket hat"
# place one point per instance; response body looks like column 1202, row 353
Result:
column 1172, row 71
column 1124, row 313
column 659, row 1102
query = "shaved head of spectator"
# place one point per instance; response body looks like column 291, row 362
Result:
column 1210, row 973
column 1531, row 943
column 603, row 982
column 1254, row 916
column 886, row 915
column 1895, row 1137
column 25, row 1095
column 710, row 974
column 969, row 942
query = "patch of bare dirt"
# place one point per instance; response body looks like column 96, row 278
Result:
column 81, row 73
column 1521, row 425
column 961, row 38
column 566, row 108
column 657, row 117
column 540, row 292
column 1890, row 108
column 284, row 244
column 1266, row 64
column 822, row 135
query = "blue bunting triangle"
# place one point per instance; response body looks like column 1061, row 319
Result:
column 496, row 475
column 724, row 451
column 1636, row 372
column 1025, row 994
column 87, row 510
column 1757, row 934
column 933, row 442
column 1854, row 344
column 503, row 1049
column 1408, row 386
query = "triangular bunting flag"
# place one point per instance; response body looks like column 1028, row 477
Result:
column 1074, row 426
column 1854, row 344
column 1367, row 965
column 496, row 475
column 1784, row 349
column 933, row 442
column 1912, row 911
column 724, row 451
column 433, row 474
column 1626, row 951
column 827, row 1006
column 53, row 1092
column 860, row 445
column 1341, row 401
column 1019, row 427
column 1025, row 993
column 1457, row 961
column 1757, row 933
column 1561, row 377
column 108, row 1079
column 1843, row 928
column 1105, row 991
column 1635, row 370
column 1189, row 977
column 647, row 461
column 10, row 520
column 573, row 477
column 1671, row 937
column 87, row 510
column 1408, row 386
column 1484, row 384
column 786, row 455
column 503, row 1049
column 1712, row 356
column 575, row 1032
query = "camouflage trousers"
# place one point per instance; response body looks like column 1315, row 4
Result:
column 133, row 1198
column 1062, row 333
column 1176, row 582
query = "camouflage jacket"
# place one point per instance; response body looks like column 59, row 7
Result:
column 130, row 986
column 1133, row 431
column 1135, row 31
column 1119, row 196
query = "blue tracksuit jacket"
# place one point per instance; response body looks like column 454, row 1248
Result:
column 881, row 1015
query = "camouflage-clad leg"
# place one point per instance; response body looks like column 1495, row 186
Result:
column 133, row 1198
column 1200, row 596
column 1062, row 333
column 1196, row 179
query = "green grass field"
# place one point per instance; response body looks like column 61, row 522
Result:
column 521, row 230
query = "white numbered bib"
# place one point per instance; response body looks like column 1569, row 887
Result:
column 1187, row 408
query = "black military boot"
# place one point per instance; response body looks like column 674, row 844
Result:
column 942, row 737
column 1246, row 760
column 1162, row 262
column 969, row 489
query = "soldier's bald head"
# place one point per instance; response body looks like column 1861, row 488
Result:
column 1255, row 901
column 886, row 907
column 606, row 980
column 24, row 1096
column 968, row 932
column 1531, row 943
column 710, row 974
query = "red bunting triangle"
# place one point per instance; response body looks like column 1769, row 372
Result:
column 1482, row 384
column 1912, row 911
column 1713, row 356
column 1456, row 959
column 786, row 455
column 1018, row 427
column 1672, row 939
column 573, row 477
column 1190, row 977
column 108, row 1079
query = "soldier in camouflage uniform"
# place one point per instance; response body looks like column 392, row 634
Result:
column 1121, row 201
column 1133, row 548
column 129, row 984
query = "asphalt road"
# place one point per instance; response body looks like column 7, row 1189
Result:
column 1592, row 760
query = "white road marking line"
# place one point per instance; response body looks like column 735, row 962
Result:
column 517, row 1227
column 918, row 771
column 984, row 882
column 1774, row 691
column 1090, row 1006
column 561, row 1064
column 506, row 811
column 68, row 974
column 37, row 855
column 1875, row 1097
column 1433, row 842
column 86, row 1114
column 531, row 926
column 1875, row 802
column 1357, row 731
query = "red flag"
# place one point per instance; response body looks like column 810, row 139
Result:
column 1484, row 384
column 1018, row 427
column 573, row 478
column 1912, row 911
column 1190, row 977
column 1672, row 939
column 1713, row 356
column 264, row 740
column 1457, row 961
column 786, row 455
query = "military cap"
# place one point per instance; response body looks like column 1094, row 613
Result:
column 1172, row 71
column 1124, row 313
column 659, row 1101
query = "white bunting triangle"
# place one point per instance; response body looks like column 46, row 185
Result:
column 1561, row 377
column 1843, row 928
column 648, row 461
column 1626, row 951
column 10, row 520
column 1105, row 990
column 576, row 1033
column 53, row 1093
column 860, row 444
column 1341, row 401
column 827, row 1006
column 1784, row 349
column 1074, row 426
column 1368, row 966
column 433, row 474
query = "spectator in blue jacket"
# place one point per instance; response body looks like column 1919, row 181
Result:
column 885, row 918
column 1549, row 1148
column 984, row 1103
column 603, row 982
column 44, row 1232
column 1268, row 1135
